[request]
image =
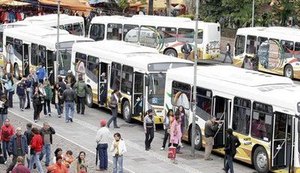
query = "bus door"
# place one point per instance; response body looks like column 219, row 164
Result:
column 102, row 84
column 137, row 96
column 222, row 108
column 282, row 141
column 50, row 58
column 25, row 60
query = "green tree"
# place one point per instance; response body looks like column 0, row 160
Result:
column 123, row 4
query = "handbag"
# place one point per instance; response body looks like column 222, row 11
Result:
column 172, row 152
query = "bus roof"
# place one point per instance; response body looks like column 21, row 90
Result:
column 43, row 36
column 161, row 18
column 51, row 19
column 125, row 53
column 284, row 33
column 244, row 83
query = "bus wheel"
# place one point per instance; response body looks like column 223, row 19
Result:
column 171, row 52
column 198, row 138
column 17, row 72
column 289, row 72
column 126, row 111
column 89, row 98
column 261, row 161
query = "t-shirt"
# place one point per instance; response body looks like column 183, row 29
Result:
column 46, row 138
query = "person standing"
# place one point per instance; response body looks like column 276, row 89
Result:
column 58, row 167
column 211, row 126
column 114, row 100
column 9, row 88
column 7, row 131
column 46, row 132
column 21, row 92
column 28, row 134
column 118, row 148
column 186, row 49
column 17, row 147
column 182, row 121
column 175, row 133
column 81, row 92
column 70, row 79
column 29, row 89
column 69, row 96
column 149, row 127
column 20, row 168
column 3, row 109
column 232, row 143
column 167, row 123
column 48, row 97
column 102, row 139
column 35, row 150
column 37, row 101
column 80, row 161
column 228, row 53
column 41, row 72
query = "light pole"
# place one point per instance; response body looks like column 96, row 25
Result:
column 195, row 79
column 57, row 42
column 253, row 2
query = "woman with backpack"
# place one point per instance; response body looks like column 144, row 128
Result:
column 48, row 97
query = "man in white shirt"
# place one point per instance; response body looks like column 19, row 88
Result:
column 102, row 139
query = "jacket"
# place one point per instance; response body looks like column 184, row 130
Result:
column 81, row 88
column 4, row 106
column 69, row 95
column 28, row 134
column 49, row 93
column 232, row 142
column 210, row 129
column 37, row 98
column 20, row 168
column 12, row 147
column 37, row 143
column 7, row 132
column 175, row 133
column 41, row 73
column 103, row 136
column 121, row 146
column 49, row 131
column 57, row 168
column 21, row 89
column 113, row 101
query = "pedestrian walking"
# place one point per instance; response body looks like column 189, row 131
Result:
column 175, row 133
column 232, row 143
column 36, row 150
column 69, row 96
column 37, row 101
column 149, row 128
column 21, row 92
column 57, row 152
column 46, row 132
column 29, row 89
column 20, row 168
column 118, row 148
column 81, row 92
column 70, row 78
column 166, row 124
column 18, row 147
column 102, row 140
column 3, row 109
column 80, row 161
column 7, row 131
column 28, row 134
column 40, row 73
column 114, row 100
column 186, row 49
column 48, row 97
column 59, row 89
column 211, row 126
column 228, row 53
column 58, row 167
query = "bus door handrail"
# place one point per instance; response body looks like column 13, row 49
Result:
column 279, row 149
column 219, row 128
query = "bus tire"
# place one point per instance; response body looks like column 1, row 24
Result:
column 198, row 138
column 260, row 160
column 288, row 71
column 89, row 98
column 171, row 52
column 17, row 72
column 126, row 111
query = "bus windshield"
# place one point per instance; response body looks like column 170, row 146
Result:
column 64, row 62
column 156, row 88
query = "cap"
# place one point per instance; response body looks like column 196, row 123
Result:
column 103, row 123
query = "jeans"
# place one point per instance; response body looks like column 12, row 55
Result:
column 28, row 94
column 80, row 104
column 117, row 164
column 102, row 151
column 229, row 164
column 59, row 108
column 46, row 151
column 69, row 110
column 3, row 117
column 22, row 101
column 10, row 99
column 227, row 54
column 37, row 108
column 5, row 149
column 166, row 137
column 149, row 137
column 114, row 112
column 35, row 158
column 47, row 104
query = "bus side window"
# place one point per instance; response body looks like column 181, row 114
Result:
column 251, row 41
column 97, row 32
column 204, row 101
column 126, row 85
column 115, row 76
column 241, row 115
column 239, row 45
column 297, row 50
column 288, row 48
column 181, row 94
column 114, row 31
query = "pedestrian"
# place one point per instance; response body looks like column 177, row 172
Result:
column 37, row 101
column 166, row 124
column 175, row 133
column 70, row 79
column 211, row 126
column 228, row 53
column 18, row 147
column 46, row 132
column 7, row 131
column 186, row 49
column 28, row 134
column 48, row 97
column 69, row 96
column 232, row 143
column 183, row 122
column 3, row 109
column 36, row 150
column 81, row 92
column 58, row 167
column 68, row 159
column 29, row 89
column 9, row 88
column 83, row 169
column 114, row 100
column 118, row 148
column 57, row 152
column 20, row 168
column 58, row 98
column 102, row 140
column 81, row 161
column 149, row 127
column 40, row 73
column 21, row 92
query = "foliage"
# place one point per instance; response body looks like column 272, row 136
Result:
column 123, row 4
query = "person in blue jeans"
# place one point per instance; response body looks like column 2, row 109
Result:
column 118, row 148
column 69, row 96
column 232, row 143
column 47, row 131
column 102, row 139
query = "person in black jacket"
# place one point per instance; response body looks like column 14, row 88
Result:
column 3, row 109
column 37, row 101
column 232, row 142
column 28, row 134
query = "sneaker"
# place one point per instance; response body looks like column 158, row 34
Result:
column 22, row 109
column 35, row 121
column 59, row 116
column 27, row 107
column 162, row 148
column 49, row 114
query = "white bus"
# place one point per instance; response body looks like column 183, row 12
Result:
column 27, row 47
column 272, row 49
column 263, row 110
column 167, row 34
column 137, row 72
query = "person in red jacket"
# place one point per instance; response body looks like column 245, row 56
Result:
column 7, row 131
column 58, row 167
column 36, row 149
column 20, row 166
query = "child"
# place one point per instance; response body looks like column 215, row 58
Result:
column 68, row 158
column 83, row 169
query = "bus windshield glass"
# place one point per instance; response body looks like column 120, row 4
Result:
column 64, row 62
column 156, row 88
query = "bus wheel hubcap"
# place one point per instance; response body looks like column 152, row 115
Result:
column 288, row 72
column 89, row 98
column 126, row 111
column 261, row 160
column 197, row 138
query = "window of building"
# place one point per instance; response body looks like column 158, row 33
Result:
column 97, row 32
column 251, row 44
column 115, row 76
column 241, row 115
column 204, row 103
column 239, row 44
column 181, row 94
column 127, row 73
column 131, row 33
column 168, row 34
column 185, row 35
column 114, row 31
